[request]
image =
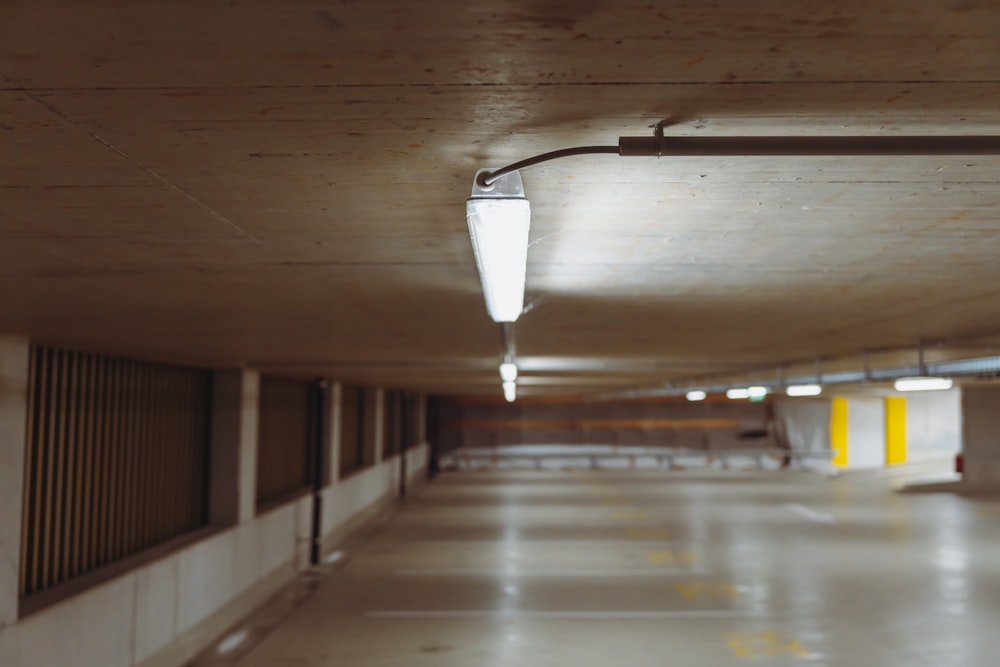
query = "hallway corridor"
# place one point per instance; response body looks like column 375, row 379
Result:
column 644, row 569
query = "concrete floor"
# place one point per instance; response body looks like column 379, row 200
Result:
column 642, row 569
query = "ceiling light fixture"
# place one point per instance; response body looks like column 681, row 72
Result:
column 508, row 371
column 737, row 394
column 696, row 395
column 510, row 391
column 803, row 390
column 499, row 217
column 923, row 384
column 756, row 393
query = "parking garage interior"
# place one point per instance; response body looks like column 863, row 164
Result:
column 262, row 402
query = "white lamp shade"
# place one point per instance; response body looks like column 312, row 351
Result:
column 499, row 217
column 499, row 232
column 508, row 371
column 923, row 384
column 510, row 391
column 804, row 390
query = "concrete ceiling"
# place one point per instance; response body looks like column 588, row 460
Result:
column 282, row 184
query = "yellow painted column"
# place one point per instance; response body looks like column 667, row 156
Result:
column 895, row 430
column 838, row 431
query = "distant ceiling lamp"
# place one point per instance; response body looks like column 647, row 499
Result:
column 756, row 393
column 510, row 391
column 499, row 216
column 508, row 371
column 923, row 384
column 738, row 394
column 696, row 395
column 803, row 390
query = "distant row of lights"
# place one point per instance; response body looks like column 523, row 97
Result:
column 508, row 380
column 757, row 393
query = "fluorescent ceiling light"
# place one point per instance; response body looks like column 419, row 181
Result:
column 804, row 390
column 499, row 217
column 738, row 393
column 508, row 371
column 923, row 384
column 696, row 395
column 510, row 391
column 756, row 392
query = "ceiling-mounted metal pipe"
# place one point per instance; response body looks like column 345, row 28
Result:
column 507, row 341
column 659, row 145
column 875, row 146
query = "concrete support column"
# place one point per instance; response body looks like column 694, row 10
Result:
column 235, row 399
column 14, row 356
column 981, row 435
column 336, row 414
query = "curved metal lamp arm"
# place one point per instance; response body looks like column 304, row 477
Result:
column 661, row 146
column 487, row 179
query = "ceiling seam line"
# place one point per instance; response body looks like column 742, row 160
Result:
column 150, row 172
column 493, row 84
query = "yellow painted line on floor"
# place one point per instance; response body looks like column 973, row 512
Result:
column 617, row 502
column 630, row 515
column 707, row 590
column 669, row 556
column 647, row 533
column 759, row 644
column 895, row 430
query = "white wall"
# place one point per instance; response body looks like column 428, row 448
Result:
column 805, row 422
column 933, row 425
column 865, row 433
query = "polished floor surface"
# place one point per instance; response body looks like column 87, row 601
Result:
column 666, row 569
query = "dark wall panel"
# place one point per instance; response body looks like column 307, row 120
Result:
column 283, row 444
column 117, row 461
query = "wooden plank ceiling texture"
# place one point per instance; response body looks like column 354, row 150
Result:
column 282, row 184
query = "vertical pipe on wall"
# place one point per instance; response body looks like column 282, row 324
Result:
column 402, row 426
column 319, row 395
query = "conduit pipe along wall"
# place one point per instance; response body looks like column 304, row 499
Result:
column 970, row 368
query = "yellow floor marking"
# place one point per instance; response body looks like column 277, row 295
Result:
column 630, row 515
column 646, row 533
column 696, row 590
column 669, row 557
column 755, row 644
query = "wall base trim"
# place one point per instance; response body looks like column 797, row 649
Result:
column 194, row 641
